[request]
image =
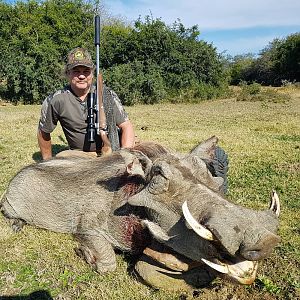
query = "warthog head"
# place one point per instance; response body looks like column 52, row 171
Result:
column 188, row 213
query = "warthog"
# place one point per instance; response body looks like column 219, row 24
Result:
column 171, row 207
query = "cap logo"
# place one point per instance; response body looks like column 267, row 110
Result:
column 79, row 55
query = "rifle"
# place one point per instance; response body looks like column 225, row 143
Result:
column 96, row 115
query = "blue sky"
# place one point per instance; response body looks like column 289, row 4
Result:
column 233, row 26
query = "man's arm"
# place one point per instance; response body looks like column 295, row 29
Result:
column 127, row 136
column 44, row 140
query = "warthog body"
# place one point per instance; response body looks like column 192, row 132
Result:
column 147, row 200
column 83, row 197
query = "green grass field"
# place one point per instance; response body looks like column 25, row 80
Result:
column 262, row 140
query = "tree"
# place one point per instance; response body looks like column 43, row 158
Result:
column 165, row 62
column 40, row 33
column 240, row 66
column 286, row 59
column 147, row 62
column 277, row 62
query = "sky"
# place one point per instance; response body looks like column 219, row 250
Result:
column 234, row 26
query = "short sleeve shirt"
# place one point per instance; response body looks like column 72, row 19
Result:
column 67, row 109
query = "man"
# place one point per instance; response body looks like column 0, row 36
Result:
column 69, row 107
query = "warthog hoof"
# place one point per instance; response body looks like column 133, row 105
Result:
column 16, row 224
column 98, row 265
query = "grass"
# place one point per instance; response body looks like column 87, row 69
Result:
column 256, row 92
column 263, row 143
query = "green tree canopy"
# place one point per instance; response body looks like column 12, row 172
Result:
column 146, row 62
column 35, row 37
column 278, row 62
column 153, row 61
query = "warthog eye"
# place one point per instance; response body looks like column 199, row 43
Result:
column 158, row 185
column 157, row 170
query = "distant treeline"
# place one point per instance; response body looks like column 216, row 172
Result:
column 277, row 64
column 146, row 62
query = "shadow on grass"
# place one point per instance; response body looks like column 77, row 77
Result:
column 56, row 148
column 36, row 156
column 37, row 295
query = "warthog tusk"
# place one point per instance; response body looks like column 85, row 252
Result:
column 275, row 203
column 220, row 268
column 250, row 275
column 198, row 228
column 243, row 272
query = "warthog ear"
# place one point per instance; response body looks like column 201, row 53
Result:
column 215, row 158
column 201, row 172
column 135, row 168
column 206, row 149
column 136, row 163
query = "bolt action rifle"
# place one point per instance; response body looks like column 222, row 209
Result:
column 96, row 115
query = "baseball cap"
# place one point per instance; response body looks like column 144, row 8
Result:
column 79, row 57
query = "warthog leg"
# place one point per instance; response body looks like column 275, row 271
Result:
column 16, row 224
column 161, row 267
column 171, row 260
column 97, row 252
column 11, row 215
column 157, row 276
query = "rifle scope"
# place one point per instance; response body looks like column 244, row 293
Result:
column 91, row 128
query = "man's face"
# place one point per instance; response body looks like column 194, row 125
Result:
column 80, row 78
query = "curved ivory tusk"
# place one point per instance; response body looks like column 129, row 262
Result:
column 220, row 268
column 275, row 203
column 198, row 228
column 251, row 275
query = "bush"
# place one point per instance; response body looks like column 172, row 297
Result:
column 137, row 82
column 255, row 92
column 146, row 63
column 278, row 62
column 35, row 38
column 165, row 62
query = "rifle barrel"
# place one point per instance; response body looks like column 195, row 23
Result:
column 97, row 30
column 97, row 43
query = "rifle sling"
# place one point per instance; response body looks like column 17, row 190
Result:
column 102, row 131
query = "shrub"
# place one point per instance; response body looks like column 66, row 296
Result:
column 35, row 38
column 277, row 62
column 145, row 63
column 255, row 92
